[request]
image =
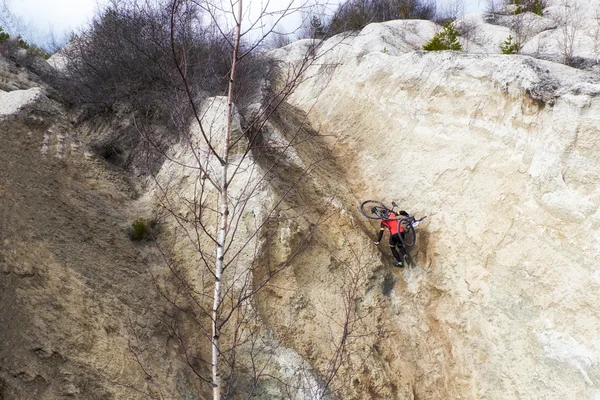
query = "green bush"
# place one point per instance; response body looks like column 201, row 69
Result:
column 538, row 6
column 31, row 48
column 534, row 6
column 38, row 51
column 3, row 36
column 510, row 47
column 142, row 230
column 446, row 39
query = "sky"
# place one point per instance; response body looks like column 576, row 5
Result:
column 60, row 16
column 63, row 16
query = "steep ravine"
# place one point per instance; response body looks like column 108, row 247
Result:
column 81, row 314
column 398, row 348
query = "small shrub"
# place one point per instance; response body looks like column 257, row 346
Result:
column 3, row 36
column 510, row 47
column 446, row 39
column 316, row 28
column 538, row 6
column 518, row 7
column 142, row 230
column 33, row 49
column 514, row 7
column 534, row 6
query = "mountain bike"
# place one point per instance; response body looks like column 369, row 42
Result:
column 374, row 209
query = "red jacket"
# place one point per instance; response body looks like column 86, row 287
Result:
column 392, row 225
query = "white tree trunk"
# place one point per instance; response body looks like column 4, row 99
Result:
column 224, row 215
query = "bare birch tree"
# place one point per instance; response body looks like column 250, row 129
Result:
column 594, row 34
column 570, row 23
column 493, row 6
column 450, row 10
column 228, row 178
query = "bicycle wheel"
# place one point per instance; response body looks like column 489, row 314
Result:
column 410, row 237
column 367, row 206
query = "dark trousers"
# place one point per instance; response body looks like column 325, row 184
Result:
column 395, row 241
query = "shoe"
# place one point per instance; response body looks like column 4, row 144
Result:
column 398, row 264
column 407, row 259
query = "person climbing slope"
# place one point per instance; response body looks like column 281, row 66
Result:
column 397, row 229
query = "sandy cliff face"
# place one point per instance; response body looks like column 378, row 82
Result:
column 500, row 152
column 75, row 304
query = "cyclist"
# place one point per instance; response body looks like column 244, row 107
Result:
column 397, row 229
